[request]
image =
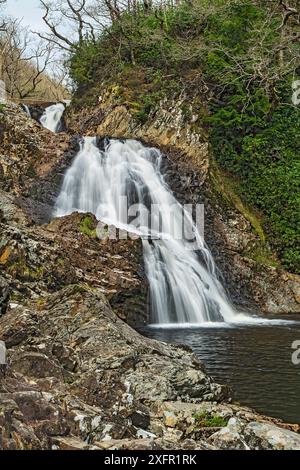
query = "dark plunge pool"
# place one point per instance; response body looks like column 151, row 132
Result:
column 255, row 360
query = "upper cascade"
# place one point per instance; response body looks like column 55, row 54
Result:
column 51, row 119
column 181, row 271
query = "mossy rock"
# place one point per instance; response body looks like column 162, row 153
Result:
column 206, row 420
column 87, row 227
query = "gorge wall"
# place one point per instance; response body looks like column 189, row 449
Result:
column 252, row 273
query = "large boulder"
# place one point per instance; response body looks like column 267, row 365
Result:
column 76, row 370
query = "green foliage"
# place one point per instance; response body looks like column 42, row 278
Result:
column 83, row 62
column 233, row 25
column 146, row 39
column 254, row 131
column 204, row 420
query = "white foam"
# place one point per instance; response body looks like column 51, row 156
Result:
column 246, row 321
column 51, row 118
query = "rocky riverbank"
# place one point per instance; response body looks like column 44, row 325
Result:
column 78, row 376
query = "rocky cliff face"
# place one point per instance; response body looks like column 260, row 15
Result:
column 252, row 274
column 77, row 375
column 38, row 255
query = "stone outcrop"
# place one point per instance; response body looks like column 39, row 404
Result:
column 37, row 259
column 32, row 162
column 78, row 377
column 28, row 152
column 76, row 369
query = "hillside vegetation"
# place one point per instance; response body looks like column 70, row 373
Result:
column 235, row 61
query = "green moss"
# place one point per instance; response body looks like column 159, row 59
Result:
column 226, row 188
column 40, row 303
column 87, row 227
column 204, row 420
column 263, row 256
column 21, row 269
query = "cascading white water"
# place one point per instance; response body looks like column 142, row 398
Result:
column 27, row 110
column 183, row 282
column 51, row 119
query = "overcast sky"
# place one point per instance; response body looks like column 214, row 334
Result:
column 28, row 10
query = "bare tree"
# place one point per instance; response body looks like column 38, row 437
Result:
column 70, row 22
column 60, row 80
column 24, row 60
column 3, row 44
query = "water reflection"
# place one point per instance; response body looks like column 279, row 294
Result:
column 255, row 360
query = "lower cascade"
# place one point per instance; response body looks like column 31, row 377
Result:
column 51, row 119
column 184, row 287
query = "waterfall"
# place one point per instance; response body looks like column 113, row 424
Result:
column 26, row 109
column 51, row 119
column 184, row 287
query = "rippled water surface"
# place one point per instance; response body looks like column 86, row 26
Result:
column 254, row 360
